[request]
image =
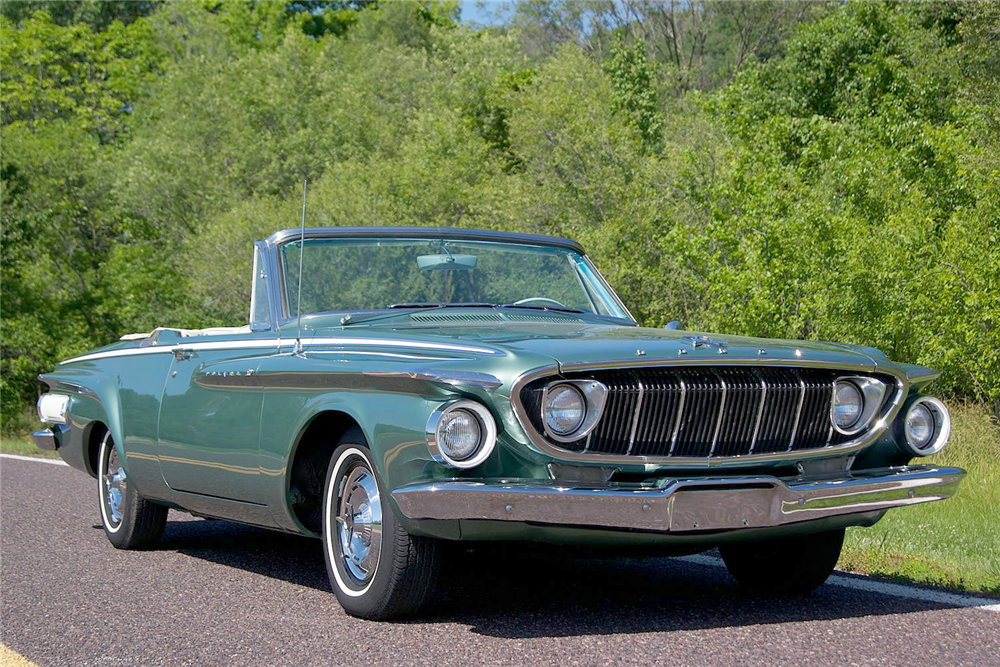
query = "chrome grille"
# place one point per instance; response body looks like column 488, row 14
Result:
column 703, row 412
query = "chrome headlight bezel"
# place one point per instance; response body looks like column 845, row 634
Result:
column 594, row 396
column 487, row 438
column 942, row 427
column 872, row 393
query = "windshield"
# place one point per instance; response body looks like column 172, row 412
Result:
column 373, row 274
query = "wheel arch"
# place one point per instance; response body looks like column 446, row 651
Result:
column 308, row 462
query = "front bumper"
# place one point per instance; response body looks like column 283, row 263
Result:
column 691, row 505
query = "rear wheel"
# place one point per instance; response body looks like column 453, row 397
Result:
column 790, row 566
column 376, row 568
column 130, row 521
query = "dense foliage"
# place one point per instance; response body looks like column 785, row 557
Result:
column 775, row 169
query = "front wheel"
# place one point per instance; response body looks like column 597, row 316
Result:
column 789, row 566
column 130, row 521
column 376, row 568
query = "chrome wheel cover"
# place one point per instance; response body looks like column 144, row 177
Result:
column 359, row 524
column 113, row 484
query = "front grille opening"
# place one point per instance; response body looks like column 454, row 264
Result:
column 624, row 477
column 708, row 412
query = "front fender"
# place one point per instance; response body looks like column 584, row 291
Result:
column 393, row 420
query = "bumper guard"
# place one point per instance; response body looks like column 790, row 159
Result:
column 45, row 439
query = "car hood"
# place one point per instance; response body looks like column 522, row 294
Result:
column 581, row 343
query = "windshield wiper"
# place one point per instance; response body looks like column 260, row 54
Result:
column 431, row 304
column 558, row 309
column 357, row 318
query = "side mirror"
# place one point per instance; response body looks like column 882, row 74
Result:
column 673, row 324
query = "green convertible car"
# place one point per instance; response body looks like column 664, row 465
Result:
column 398, row 388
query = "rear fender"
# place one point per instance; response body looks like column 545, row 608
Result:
column 94, row 403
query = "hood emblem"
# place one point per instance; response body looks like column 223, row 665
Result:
column 706, row 341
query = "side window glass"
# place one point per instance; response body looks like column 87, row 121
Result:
column 260, row 318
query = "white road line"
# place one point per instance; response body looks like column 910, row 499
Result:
column 883, row 588
column 36, row 459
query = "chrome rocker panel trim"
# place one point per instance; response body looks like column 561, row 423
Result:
column 876, row 429
column 681, row 505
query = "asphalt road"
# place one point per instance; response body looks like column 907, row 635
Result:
column 219, row 593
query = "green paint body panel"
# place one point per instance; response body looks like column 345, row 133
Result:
column 216, row 432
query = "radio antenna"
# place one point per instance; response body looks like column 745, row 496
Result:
column 302, row 251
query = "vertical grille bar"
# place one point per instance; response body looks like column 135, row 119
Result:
column 718, row 422
column 760, row 413
column 798, row 414
column 677, row 423
column 635, row 416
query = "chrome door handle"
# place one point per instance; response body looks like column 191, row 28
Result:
column 182, row 353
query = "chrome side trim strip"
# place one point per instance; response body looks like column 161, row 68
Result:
column 760, row 413
column 798, row 414
column 128, row 352
column 876, row 429
column 686, row 505
column 256, row 343
column 718, row 422
column 635, row 417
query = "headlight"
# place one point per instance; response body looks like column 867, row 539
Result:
column 847, row 404
column 919, row 425
column 856, row 402
column 564, row 409
column 572, row 408
column 461, row 434
column 926, row 426
column 52, row 408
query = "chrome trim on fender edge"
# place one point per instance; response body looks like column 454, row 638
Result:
column 680, row 505
column 877, row 428
column 451, row 378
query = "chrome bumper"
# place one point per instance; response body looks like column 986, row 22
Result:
column 45, row 440
column 681, row 505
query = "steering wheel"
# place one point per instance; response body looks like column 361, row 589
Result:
column 523, row 302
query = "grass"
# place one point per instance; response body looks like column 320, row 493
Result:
column 953, row 543
column 22, row 446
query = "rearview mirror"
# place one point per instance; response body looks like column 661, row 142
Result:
column 449, row 262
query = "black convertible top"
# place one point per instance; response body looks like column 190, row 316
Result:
column 422, row 232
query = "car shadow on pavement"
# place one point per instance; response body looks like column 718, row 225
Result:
column 513, row 592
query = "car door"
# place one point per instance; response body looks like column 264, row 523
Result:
column 209, row 423
column 209, row 429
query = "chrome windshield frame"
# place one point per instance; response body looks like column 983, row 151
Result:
column 280, row 307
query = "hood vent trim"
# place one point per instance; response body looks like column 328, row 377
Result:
column 450, row 318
